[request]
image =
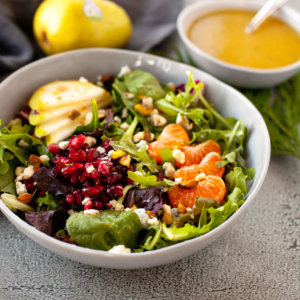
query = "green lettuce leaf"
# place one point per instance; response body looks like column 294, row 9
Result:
column 236, row 178
column 142, row 83
column 48, row 202
column 7, row 180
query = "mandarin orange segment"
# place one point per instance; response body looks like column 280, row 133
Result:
column 173, row 136
column 208, row 166
column 195, row 154
column 174, row 132
column 212, row 187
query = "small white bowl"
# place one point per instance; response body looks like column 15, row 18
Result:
column 233, row 74
column 17, row 89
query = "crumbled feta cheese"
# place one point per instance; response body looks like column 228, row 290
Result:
column 90, row 169
column 23, row 144
column 148, row 102
column 124, row 70
column 85, row 200
column 20, row 188
column 158, row 120
column 44, row 158
column 91, row 141
column 91, row 212
column 63, row 145
column 167, row 208
column 100, row 150
column 124, row 126
column 124, row 113
column 174, row 212
column 119, row 249
column 154, row 112
column 189, row 210
column 138, row 136
column 19, row 171
column 83, row 79
column 117, row 119
column 182, row 120
column 179, row 156
column 171, row 85
column 116, row 205
column 101, row 113
column 169, row 170
column 153, row 221
column 28, row 172
column 144, row 218
column 200, row 176
column 129, row 95
column 142, row 144
column 178, row 180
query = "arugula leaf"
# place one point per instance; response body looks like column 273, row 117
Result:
column 142, row 83
column 167, row 155
column 94, row 124
column 146, row 161
column 48, row 202
column 149, row 181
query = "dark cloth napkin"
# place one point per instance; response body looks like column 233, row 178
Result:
column 153, row 21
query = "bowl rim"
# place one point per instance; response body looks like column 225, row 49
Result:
column 242, row 5
column 32, row 232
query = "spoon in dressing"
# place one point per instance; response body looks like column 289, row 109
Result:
column 267, row 9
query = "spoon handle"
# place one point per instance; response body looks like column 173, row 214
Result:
column 268, row 8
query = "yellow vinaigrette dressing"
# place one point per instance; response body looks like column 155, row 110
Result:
column 222, row 34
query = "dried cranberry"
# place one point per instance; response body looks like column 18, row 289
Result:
column 53, row 148
column 76, row 141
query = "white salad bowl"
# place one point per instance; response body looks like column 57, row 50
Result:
column 233, row 74
column 17, row 88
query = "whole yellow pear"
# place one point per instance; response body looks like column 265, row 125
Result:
column 62, row 25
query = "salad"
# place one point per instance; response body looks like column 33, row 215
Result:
column 125, row 164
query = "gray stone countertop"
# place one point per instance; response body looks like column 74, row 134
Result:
column 258, row 259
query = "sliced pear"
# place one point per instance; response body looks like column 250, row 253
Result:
column 68, row 92
column 57, row 108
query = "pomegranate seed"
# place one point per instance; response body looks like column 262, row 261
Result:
column 97, row 181
column 115, row 192
column 88, row 205
column 53, row 148
column 108, row 205
column 105, row 169
column 27, row 181
column 74, row 178
column 95, row 175
column 76, row 141
column 106, row 145
column 78, row 155
column 67, row 171
column 77, row 197
column 113, row 178
column 70, row 199
column 78, row 166
column 93, row 191
column 58, row 168
column 91, row 154
column 105, row 199
column 82, row 177
column 98, row 204
column 30, row 186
